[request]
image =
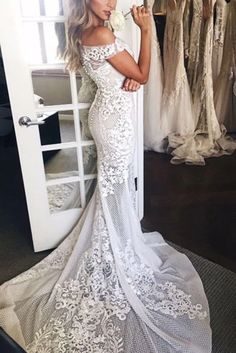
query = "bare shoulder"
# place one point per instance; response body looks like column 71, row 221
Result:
column 101, row 36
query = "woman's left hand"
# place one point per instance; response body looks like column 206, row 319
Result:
column 130, row 85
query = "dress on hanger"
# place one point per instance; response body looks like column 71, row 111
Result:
column 234, row 58
column 209, row 137
column 186, row 27
column 177, row 115
column 153, row 135
column 219, row 36
column 194, row 53
column 159, row 6
column 108, row 287
column 223, row 87
column 203, row 96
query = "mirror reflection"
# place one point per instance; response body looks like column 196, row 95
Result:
column 52, row 86
column 41, row 8
column 41, row 41
column 63, row 197
column 60, row 163
column 45, row 44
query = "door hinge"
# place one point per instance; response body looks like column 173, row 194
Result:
column 136, row 184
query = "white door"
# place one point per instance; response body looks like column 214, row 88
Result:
column 57, row 159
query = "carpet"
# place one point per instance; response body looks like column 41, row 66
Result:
column 220, row 288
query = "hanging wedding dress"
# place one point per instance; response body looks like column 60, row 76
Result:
column 203, row 94
column 234, row 57
column 223, row 87
column 177, row 115
column 194, row 53
column 108, row 287
column 219, row 36
column 209, row 138
column 153, row 134
column 186, row 27
column 159, row 6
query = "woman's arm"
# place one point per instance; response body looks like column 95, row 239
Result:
column 123, row 61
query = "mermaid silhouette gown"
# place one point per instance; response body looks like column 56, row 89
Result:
column 109, row 288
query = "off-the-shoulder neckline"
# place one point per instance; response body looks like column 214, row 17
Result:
column 101, row 45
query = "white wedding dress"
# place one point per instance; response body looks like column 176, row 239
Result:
column 223, row 88
column 209, row 138
column 109, row 288
column 195, row 39
column 219, row 36
column 178, row 119
column 153, row 133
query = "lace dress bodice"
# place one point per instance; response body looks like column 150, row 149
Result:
column 94, row 59
column 110, row 115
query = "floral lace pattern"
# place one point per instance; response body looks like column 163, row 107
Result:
column 219, row 36
column 103, row 52
column 177, row 114
column 165, row 298
column 58, row 194
column 54, row 261
column 86, row 305
column 203, row 96
column 109, row 117
column 86, row 94
column 194, row 43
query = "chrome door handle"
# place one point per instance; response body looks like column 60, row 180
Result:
column 26, row 121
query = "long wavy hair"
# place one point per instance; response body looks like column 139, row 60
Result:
column 79, row 19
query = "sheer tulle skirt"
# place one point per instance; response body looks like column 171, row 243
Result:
column 109, row 287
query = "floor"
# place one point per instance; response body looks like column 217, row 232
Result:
column 194, row 207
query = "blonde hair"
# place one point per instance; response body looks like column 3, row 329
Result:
column 79, row 19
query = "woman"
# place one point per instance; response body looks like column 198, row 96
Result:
column 108, row 288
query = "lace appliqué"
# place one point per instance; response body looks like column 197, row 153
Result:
column 58, row 194
column 110, row 116
column 116, row 155
column 102, row 52
column 85, row 306
column 89, row 153
column 171, row 96
column 54, row 261
column 165, row 298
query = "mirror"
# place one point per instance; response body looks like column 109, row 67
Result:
column 44, row 8
column 64, row 197
column 42, row 42
column 44, row 46
column 52, row 86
